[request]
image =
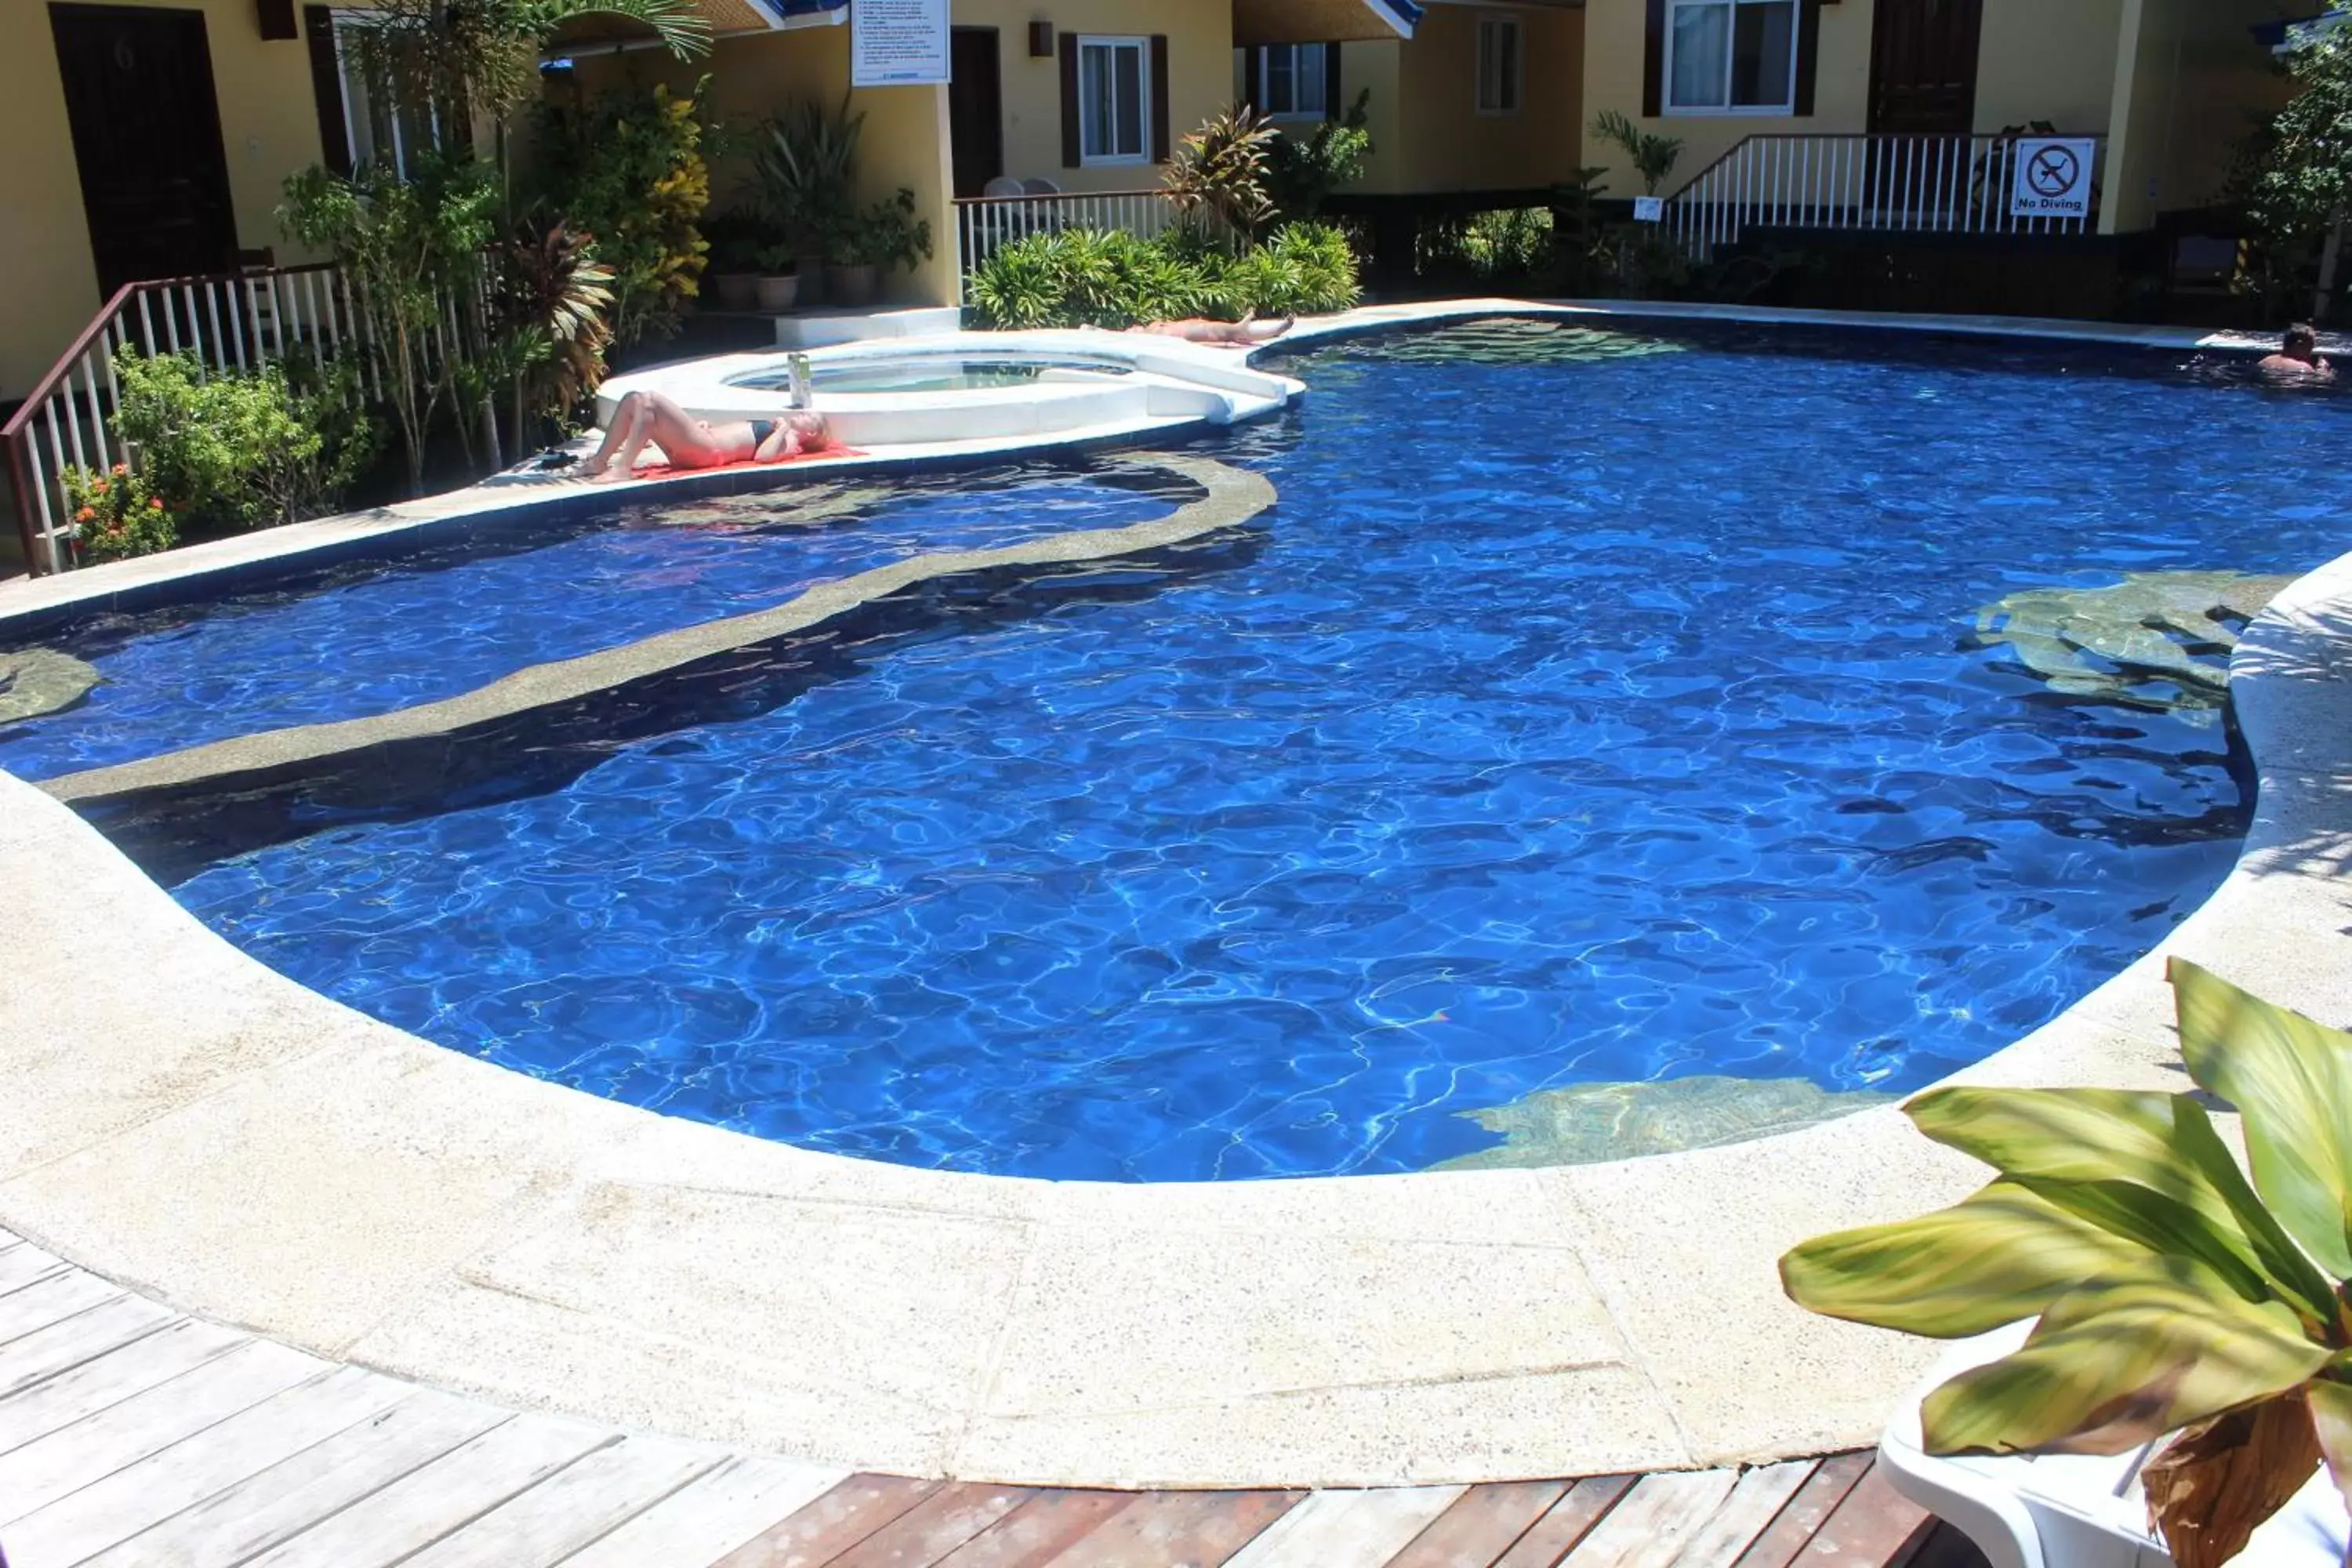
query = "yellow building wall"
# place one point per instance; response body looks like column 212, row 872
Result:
column 1614, row 70
column 2185, row 96
column 1428, row 136
column 2041, row 61
column 1200, row 76
column 270, row 128
column 755, row 76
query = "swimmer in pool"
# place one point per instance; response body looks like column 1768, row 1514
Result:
column 691, row 443
column 2298, row 358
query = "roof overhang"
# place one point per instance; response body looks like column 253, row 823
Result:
column 1259, row 22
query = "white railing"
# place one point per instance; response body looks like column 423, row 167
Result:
column 1940, row 185
column 985, row 224
column 234, row 320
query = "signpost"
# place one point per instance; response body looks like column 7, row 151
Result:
column 895, row 43
column 2053, row 177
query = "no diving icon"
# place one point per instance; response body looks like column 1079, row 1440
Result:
column 2053, row 177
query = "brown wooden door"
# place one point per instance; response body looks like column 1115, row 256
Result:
column 975, row 108
column 1922, row 65
column 147, row 140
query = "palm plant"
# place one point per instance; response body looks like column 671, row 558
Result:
column 549, row 312
column 1653, row 157
column 1219, row 173
column 466, row 58
column 2173, row 1297
column 803, row 166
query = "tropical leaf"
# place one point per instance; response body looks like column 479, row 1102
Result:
column 2001, row 1255
column 2215, row 1484
column 2331, row 1424
column 2121, row 1361
column 2292, row 1079
column 2149, row 1166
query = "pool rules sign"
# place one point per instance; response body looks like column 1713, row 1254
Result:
column 2053, row 177
column 894, row 42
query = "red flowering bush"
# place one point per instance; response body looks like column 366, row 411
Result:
column 115, row 514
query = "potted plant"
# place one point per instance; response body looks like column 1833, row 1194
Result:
column 803, row 168
column 2174, row 1298
column 779, row 283
column 735, row 247
column 884, row 236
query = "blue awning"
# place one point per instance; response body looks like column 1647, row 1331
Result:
column 2294, row 32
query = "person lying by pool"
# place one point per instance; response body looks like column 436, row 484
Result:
column 2298, row 356
column 691, row 443
column 1245, row 333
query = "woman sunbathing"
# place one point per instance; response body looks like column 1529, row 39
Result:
column 691, row 443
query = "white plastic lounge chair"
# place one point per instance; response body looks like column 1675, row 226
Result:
column 2065, row 1510
column 1003, row 185
column 1040, row 187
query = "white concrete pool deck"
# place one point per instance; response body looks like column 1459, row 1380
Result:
column 182, row 1121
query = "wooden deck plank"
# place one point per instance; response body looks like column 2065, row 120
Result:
column 110, row 1511
column 40, row 1473
column 22, row 1264
column 298, row 1492
column 44, row 1353
column 52, row 1301
column 574, row 1507
column 1483, row 1522
column 1874, row 1526
column 831, row 1525
column 1653, row 1522
column 934, row 1527
column 437, row 1499
column 1044, row 1527
column 1568, row 1521
column 1753, row 1505
column 1178, row 1529
column 110, row 1379
column 1347, row 1529
column 711, row 1516
column 1826, row 1487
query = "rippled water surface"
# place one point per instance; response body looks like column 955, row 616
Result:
column 1587, row 711
column 367, row 639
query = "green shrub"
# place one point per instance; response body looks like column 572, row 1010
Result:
column 1301, row 171
column 1094, row 278
column 243, row 449
column 117, row 514
column 629, row 170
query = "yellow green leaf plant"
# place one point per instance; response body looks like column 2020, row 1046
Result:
column 2172, row 1297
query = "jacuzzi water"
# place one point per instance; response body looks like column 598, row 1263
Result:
column 931, row 372
column 472, row 607
column 1584, row 712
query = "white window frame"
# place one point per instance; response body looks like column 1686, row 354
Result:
column 1515, row 90
column 1668, row 108
column 1262, row 82
column 1143, row 47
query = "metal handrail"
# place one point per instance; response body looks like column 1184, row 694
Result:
column 1951, row 183
column 228, row 319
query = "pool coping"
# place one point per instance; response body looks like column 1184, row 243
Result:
column 188, row 1122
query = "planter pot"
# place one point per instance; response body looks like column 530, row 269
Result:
column 812, row 276
column 779, row 293
column 855, row 285
column 736, row 290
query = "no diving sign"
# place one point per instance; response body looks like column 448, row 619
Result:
column 2053, row 177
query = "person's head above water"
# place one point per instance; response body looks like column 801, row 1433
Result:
column 2301, row 341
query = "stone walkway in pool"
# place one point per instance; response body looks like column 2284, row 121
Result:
column 134, row 1436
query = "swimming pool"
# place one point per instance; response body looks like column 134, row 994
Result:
column 1590, row 709
column 471, row 608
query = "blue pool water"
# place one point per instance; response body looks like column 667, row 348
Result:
column 1575, row 716
column 458, row 615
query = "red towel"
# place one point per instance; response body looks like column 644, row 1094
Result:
column 663, row 471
